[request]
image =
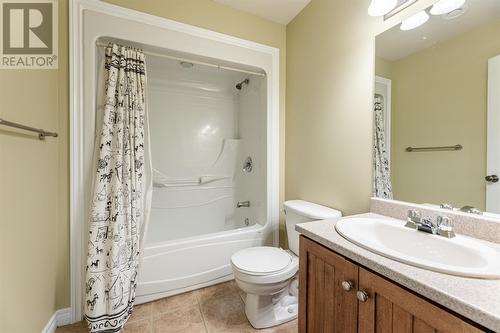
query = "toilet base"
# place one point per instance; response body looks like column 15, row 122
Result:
column 265, row 311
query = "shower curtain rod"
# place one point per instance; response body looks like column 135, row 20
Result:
column 194, row 61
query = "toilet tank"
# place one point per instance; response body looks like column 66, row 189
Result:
column 299, row 211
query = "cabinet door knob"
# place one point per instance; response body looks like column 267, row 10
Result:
column 347, row 285
column 362, row 295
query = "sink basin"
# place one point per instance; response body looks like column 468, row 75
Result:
column 461, row 255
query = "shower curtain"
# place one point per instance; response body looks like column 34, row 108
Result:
column 121, row 193
column 382, row 187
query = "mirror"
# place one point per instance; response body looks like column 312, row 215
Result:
column 437, row 108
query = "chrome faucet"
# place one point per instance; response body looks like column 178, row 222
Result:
column 243, row 204
column 442, row 227
column 471, row 210
column 446, row 206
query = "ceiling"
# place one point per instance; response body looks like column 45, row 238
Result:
column 394, row 44
column 280, row 11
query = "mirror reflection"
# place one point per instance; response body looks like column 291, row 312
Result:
column 437, row 108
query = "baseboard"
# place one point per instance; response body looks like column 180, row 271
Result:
column 60, row 318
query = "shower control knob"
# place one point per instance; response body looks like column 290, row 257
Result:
column 491, row 179
column 347, row 285
column 362, row 295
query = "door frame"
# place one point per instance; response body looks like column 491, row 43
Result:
column 493, row 135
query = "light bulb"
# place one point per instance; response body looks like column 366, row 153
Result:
column 415, row 21
column 381, row 7
column 446, row 6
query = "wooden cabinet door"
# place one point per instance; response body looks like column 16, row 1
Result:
column 324, row 306
column 392, row 309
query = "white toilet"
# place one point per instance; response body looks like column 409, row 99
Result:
column 267, row 274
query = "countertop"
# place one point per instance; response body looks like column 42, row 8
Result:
column 476, row 299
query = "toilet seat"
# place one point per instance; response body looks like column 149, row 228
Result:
column 261, row 260
column 263, row 264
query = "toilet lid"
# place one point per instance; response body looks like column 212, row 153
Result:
column 261, row 260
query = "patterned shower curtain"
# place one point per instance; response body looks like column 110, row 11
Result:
column 120, row 194
column 382, row 187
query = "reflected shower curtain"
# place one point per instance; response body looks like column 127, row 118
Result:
column 382, row 187
column 120, row 199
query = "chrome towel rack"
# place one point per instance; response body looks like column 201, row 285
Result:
column 438, row 148
column 41, row 133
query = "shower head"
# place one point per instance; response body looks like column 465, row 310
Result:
column 240, row 85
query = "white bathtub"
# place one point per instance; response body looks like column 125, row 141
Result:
column 178, row 266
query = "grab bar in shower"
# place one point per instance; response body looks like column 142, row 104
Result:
column 41, row 133
column 438, row 148
column 189, row 182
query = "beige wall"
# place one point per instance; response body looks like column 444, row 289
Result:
column 330, row 66
column 33, row 193
column 439, row 97
column 383, row 68
column 34, row 184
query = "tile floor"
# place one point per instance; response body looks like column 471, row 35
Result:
column 215, row 309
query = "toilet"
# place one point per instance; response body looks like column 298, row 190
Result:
column 267, row 274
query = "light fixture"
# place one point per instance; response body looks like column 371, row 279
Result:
column 381, row 7
column 415, row 21
column 446, row 6
column 455, row 13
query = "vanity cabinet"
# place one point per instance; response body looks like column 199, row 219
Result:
column 337, row 295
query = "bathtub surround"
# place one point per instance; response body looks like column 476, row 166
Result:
column 209, row 14
column 204, row 123
column 120, row 201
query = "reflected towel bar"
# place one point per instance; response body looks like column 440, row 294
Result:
column 442, row 148
column 41, row 133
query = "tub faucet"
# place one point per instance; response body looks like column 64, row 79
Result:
column 243, row 204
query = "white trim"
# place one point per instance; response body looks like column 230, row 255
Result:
column 387, row 112
column 59, row 318
column 77, row 212
column 493, row 135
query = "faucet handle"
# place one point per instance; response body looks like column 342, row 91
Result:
column 414, row 215
column 444, row 226
column 446, row 206
column 414, row 219
column 444, row 222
